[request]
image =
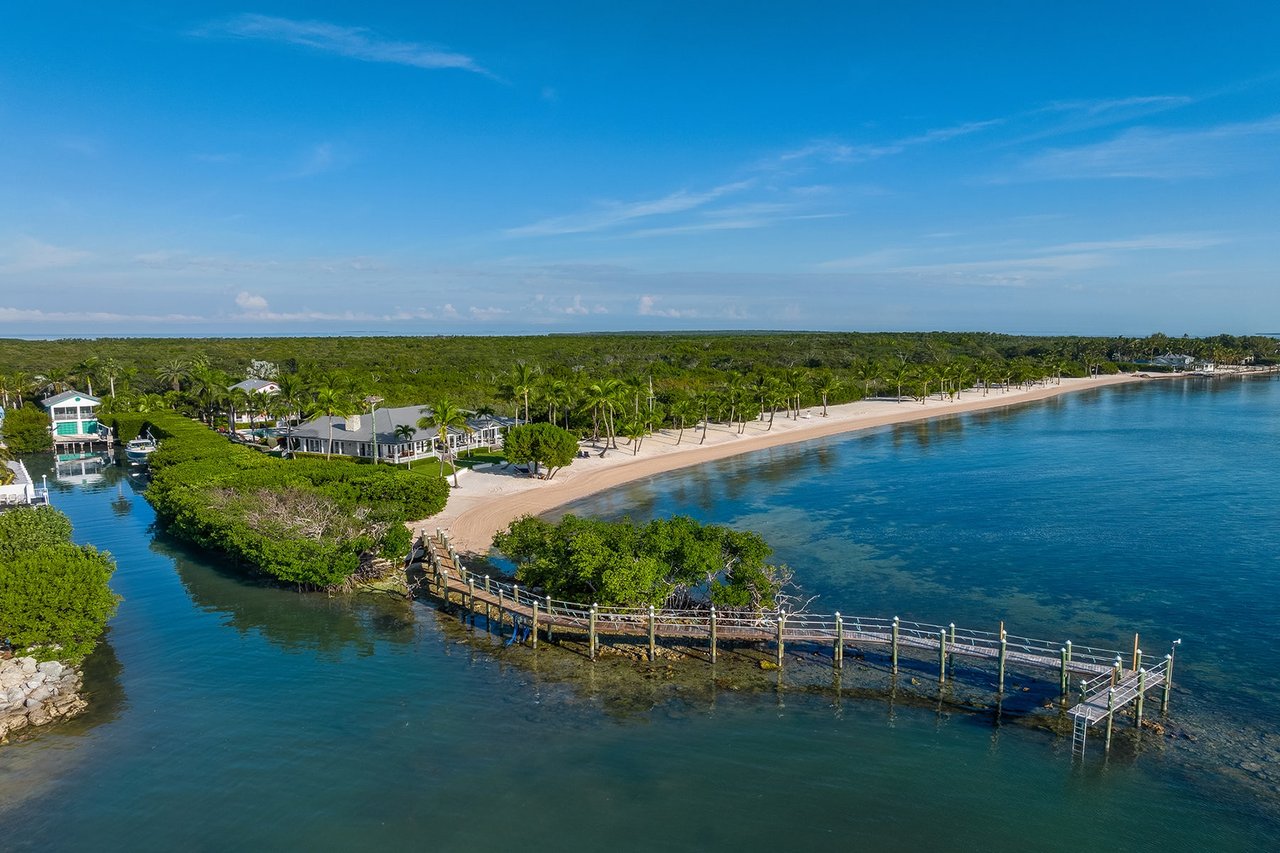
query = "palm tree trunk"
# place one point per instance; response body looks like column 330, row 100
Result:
column 328, row 451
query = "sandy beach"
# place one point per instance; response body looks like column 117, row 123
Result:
column 487, row 500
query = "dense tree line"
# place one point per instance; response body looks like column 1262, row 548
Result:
column 673, row 562
column 54, row 595
column 309, row 522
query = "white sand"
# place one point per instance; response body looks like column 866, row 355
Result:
column 490, row 499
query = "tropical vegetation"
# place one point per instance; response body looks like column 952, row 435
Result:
column 673, row 562
column 54, row 595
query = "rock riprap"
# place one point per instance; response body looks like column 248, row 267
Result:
column 34, row 694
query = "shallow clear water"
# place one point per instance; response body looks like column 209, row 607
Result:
column 232, row 714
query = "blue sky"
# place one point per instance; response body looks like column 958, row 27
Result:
column 484, row 167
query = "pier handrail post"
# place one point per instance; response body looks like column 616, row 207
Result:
column 893, row 653
column 713, row 633
column 1062, row 676
column 534, row 624
column 444, row 586
column 1168, row 682
column 488, row 608
column 942, row 655
column 951, row 655
column 1142, row 690
column 591, row 633
column 549, row 622
column 653, row 631
column 1111, row 710
column 839, row 649
column 502, row 606
column 782, row 622
column 1004, row 650
column 471, row 596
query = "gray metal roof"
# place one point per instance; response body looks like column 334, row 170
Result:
column 68, row 396
column 252, row 384
column 388, row 419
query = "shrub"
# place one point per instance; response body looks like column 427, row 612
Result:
column 26, row 430
column 54, row 596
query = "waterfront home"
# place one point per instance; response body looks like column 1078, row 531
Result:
column 354, row 435
column 22, row 491
column 1176, row 361
column 251, row 386
column 74, row 418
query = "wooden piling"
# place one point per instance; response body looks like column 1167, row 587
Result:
column 1137, row 652
column 591, row 635
column 1168, row 683
column 838, row 652
column 713, row 634
column 534, row 624
column 550, row 619
column 471, row 597
column 1004, row 651
column 893, row 653
column 1142, row 694
column 951, row 655
column 782, row 621
column 502, row 607
column 942, row 655
column 1111, row 713
column 1062, row 675
column 653, row 635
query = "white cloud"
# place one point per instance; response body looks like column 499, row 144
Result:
column 490, row 313
column 28, row 254
column 648, row 307
column 37, row 315
column 251, row 301
column 617, row 213
column 352, row 42
column 1160, row 154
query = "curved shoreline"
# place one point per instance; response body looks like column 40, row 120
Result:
column 487, row 501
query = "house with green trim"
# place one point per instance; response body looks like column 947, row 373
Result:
column 74, row 418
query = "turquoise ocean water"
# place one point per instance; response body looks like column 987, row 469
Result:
column 229, row 714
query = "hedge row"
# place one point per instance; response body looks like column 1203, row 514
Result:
column 311, row 522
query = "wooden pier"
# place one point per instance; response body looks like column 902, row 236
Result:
column 1105, row 686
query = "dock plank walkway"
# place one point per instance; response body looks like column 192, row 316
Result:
column 1106, row 686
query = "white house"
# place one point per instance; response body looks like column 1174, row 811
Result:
column 353, row 435
column 75, row 417
column 251, row 386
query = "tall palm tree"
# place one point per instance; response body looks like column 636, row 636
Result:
column 732, row 392
column 869, row 372
column 83, row 372
column 405, row 432
column 442, row 416
column 825, row 385
column 331, row 402
column 794, row 381
column 111, row 370
column 173, row 372
column 774, row 396
column 521, row 384
column 682, row 411
column 900, row 375
column 705, row 399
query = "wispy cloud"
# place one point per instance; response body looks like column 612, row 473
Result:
column 1153, row 153
column 647, row 306
column 37, row 315
column 612, row 214
column 839, row 151
column 27, row 254
column 352, row 42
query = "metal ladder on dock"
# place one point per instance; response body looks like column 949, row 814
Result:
column 1079, row 735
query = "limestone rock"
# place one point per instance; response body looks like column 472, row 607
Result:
column 28, row 665
column 51, row 668
column 39, row 716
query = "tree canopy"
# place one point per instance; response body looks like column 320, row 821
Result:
column 675, row 562
column 541, row 444
column 54, row 596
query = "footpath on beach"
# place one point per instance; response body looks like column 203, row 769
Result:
column 489, row 499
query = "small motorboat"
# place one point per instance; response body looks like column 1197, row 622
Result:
column 139, row 449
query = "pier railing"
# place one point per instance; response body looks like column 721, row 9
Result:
column 1105, row 685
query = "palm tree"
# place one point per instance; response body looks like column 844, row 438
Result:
column 682, row 411
column 773, row 397
column 442, row 416
column 83, row 372
column 732, row 393
column 633, row 426
column 331, row 402
column 521, row 384
column 405, row 432
column 869, row 372
column 794, row 382
column 705, row 399
column 238, row 402
column 173, row 371
column 900, row 375
column 111, row 371
column 825, row 385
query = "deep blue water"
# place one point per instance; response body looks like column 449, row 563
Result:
column 229, row 714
